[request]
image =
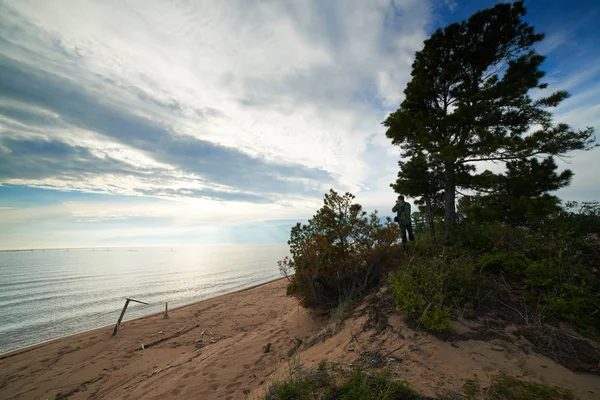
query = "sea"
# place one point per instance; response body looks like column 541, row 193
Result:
column 47, row 294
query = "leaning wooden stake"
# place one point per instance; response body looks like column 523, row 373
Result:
column 118, row 326
column 166, row 316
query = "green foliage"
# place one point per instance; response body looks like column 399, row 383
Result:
column 472, row 387
column 432, row 282
column 513, row 262
column 558, row 264
column 373, row 387
column 519, row 197
column 580, row 219
column 301, row 386
column 468, row 102
column 505, row 387
column 340, row 253
column 335, row 384
column 329, row 385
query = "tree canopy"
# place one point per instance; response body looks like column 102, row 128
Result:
column 471, row 100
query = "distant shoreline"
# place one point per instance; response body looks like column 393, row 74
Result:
column 135, row 247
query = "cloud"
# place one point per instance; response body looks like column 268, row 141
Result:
column 270, row 98
column 215, row 163
column 451, row 4
column 37, row 158
column 553, row 41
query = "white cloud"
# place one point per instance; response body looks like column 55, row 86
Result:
column 553, row 41
column 283, row 81
column 451, row 4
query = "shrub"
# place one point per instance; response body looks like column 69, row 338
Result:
column 559, row 263
column 508, row 388
column 302, row 385
column 373, row 387
column 432, row 282
column 514, row 262
column 336, row 385
column 340, row 253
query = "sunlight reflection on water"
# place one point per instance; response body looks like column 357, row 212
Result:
column 53, row 293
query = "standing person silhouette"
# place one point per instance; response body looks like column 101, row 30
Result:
column 402, row 210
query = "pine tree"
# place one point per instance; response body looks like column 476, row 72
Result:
column 521, row 196
column 468, row 101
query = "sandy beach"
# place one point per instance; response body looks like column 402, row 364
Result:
column 215, row 349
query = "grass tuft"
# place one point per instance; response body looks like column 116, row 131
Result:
column 505, row 387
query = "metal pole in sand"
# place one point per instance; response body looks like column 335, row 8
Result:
column 118, row 326
column 166, row 316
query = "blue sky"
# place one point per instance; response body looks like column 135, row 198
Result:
column 190, row 122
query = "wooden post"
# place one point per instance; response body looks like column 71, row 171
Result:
column 118, row 326
column 166, row 316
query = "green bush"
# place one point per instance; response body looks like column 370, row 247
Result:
column 515, row 262
column 432, row 282
column 302, row 385
column 373, row 387
column 323, row 384
column 508, row 388
column 339, row 254
column 559, row 264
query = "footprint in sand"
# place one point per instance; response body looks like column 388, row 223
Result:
column 231, row 387
column 178, row 390
column 214, row 385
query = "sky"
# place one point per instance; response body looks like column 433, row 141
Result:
column 127, row 123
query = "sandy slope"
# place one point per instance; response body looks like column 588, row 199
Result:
column 214, row 349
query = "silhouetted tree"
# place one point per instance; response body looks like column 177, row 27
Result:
column 468, row 101
column 521, row 196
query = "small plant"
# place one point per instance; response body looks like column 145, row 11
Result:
column 322, row 366
column 505, row 387
column 432, row 283
column 472, row 387
column 337, row 385
column 373, row 387
column 300, row 383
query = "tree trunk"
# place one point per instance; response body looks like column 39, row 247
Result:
column 429, row 216
column 449, row 197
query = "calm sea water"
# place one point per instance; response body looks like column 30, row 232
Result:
column 54, row 293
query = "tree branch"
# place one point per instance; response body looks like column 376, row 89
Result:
column 502, row 158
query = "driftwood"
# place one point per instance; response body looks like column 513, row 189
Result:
column 118, row 325
column 166, row 316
